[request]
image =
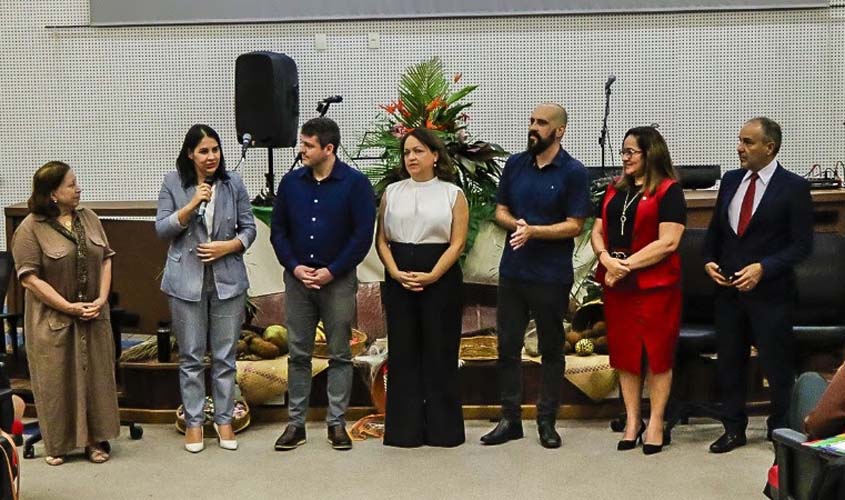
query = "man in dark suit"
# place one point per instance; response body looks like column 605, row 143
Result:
column 762, row 226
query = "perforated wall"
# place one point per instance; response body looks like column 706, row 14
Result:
column 115, row 102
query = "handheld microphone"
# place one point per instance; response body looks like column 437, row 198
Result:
column 246, row 142
column 609, row 82
column 203, row 204
column 332, row 100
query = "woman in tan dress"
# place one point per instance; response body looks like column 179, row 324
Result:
column 63, row 261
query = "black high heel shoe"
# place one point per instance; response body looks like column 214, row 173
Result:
column 651, row 449
column 630, row 444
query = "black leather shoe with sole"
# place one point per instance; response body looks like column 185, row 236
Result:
column 728, row 441
column 339, row 438
column 549, row 438
column 292, row 437
column 505, row 431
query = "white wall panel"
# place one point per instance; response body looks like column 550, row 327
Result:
column 115, row 102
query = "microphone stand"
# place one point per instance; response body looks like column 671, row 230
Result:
column 603, row 137
column 323, row 108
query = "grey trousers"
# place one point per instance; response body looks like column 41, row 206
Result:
column 334, row 304
column 213, row 323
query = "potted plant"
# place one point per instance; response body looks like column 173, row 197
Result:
column 426, row 99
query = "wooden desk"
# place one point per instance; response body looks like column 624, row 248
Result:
column 828, row 209
column 137, row 268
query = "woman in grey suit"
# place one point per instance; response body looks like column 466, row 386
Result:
column 205, row 213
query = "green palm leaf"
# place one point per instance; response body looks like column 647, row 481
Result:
column 425, row 99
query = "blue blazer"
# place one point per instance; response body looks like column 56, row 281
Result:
column 183, row 271
column 779, row 235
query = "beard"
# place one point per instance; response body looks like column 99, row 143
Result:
column 537, row 144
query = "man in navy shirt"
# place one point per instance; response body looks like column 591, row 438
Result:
column 542, row 202
column 322, row 228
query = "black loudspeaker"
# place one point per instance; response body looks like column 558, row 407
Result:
column 691, row 176
column 267, row 99
column 699, row 176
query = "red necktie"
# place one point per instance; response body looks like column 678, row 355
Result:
column 747, row 205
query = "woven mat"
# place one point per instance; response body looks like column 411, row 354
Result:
column 261, row 381
column 593, row 374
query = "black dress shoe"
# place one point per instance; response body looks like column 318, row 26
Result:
column 549, row 437
column 728, row 442
column 292, row 437
column 339, row 438
column 630, row 444
column 505, row 431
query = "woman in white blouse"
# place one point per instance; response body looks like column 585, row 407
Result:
column 423, row 222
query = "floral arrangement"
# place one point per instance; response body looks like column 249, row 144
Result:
column 426, row 99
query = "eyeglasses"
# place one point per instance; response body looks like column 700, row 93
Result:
column 629, row 152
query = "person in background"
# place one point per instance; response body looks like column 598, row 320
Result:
column 828, row 417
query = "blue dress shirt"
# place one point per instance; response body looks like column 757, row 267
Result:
column 542, row 196
column 327, row 223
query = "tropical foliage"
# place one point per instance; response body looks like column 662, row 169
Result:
column 586, row 288
column 426, row 99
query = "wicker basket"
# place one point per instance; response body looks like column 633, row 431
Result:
column 262, row 380
column 239, row 422
column 479, row 348
column 358, row 343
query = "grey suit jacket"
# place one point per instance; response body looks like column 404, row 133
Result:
column 183, row 271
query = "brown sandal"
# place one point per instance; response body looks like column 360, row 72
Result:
column 54, row 460
column 96, row 455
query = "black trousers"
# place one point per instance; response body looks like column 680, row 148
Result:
column 740, row 322
column 517, row 303
column 423, row 339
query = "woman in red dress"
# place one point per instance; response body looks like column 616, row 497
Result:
column 636, row 235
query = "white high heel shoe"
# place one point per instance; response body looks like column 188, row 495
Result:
column 226, row 444
column 196, row 447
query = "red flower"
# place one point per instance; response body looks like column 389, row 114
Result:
column 436, row 103
column 401, row 107
column 390, row 108
column 431, row 125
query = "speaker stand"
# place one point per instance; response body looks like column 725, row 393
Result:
column 271, row 178
column 267, row 195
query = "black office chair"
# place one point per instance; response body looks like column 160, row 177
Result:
column 9, row 468
column 806, row 473
column 7, row 267
column 697, row 336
